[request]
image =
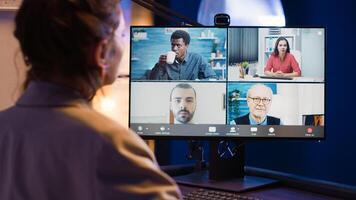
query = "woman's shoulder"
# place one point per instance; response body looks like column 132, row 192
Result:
column 108, row 129
column 290, row 55
column 98, row 123
column 273, row 56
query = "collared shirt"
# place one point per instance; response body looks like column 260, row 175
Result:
column 253, row 121
column 54, row 146
column 191, row 68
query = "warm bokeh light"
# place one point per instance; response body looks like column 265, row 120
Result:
column 107, row 104
column 113, row 100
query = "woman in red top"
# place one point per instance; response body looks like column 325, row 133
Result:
column 282, row 62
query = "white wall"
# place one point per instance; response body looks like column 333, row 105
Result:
column 311, row 100
column 150, row 102
column 262, row 32
column 285, row 104
column 292, row 101
column 313, row 52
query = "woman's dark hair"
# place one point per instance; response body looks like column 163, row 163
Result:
column 181, row 34
column 58, row 38
column 275, row 52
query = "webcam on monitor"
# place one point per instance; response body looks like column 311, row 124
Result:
column 222, row 19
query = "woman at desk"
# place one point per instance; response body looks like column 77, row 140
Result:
column 282, row 63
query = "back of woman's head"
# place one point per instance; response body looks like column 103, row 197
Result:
column 58, row 37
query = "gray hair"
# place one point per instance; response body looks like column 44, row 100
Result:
column 257, row 86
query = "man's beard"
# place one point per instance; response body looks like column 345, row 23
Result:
column 184, row 116
column 260, row 115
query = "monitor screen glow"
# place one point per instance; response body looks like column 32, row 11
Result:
column 216, row 86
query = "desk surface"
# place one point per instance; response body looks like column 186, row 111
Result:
column 295, row 79
column 275, row 192
column 289, row 186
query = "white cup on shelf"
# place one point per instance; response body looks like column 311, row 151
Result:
column 213, row 55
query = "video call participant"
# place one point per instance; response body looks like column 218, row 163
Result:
column 259, row 100
column 183, row 103
column 186, row 65
column 53, row 145
column 282, row 63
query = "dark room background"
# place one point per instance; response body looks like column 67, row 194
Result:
column 333, row 159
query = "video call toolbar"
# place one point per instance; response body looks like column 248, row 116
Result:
column 219, row 130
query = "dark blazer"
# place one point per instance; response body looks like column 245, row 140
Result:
column 54, row 146
column 245, row 120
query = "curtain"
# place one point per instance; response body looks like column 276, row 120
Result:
column 242, row 45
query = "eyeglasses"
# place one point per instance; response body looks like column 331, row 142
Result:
column 257, row 100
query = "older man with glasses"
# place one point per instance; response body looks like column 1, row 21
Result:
column 259, row 100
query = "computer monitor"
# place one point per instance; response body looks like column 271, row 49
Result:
column 210, row 82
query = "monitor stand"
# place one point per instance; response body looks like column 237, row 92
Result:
column 225, row 172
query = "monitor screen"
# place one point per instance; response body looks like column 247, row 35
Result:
column 247, row 82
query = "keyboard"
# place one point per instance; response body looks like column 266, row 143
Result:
column 276, row 77
column 215, row 194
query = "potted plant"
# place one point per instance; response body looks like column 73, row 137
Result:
column 245, row 66
column 243, row 69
